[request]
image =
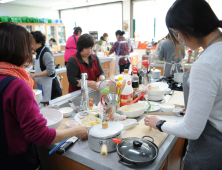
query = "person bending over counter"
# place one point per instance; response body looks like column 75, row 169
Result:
column 83, row 61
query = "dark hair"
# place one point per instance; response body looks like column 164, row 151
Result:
column 53, row 40
column 121, row 33
column 85, row 41
column 105, row 35
column 192, row 18
column 39, row 37
column 76, row 30
column 15, row 44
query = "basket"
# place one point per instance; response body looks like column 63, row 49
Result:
column 134, row 101
column 142, row 45
column 24, row 19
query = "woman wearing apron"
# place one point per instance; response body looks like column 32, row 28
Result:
column 84, row 62
column 71, row 47
column 45, row 74
column 21, row 124
column 172, row 64
column 122, row 48
column 195, row 24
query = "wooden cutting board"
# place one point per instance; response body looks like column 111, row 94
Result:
column 143, row 130
column 63, row 124
column 177, row 99
column 161, row 113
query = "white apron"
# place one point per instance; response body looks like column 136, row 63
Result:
column 174, row 66
column 118, row 57
column 43, row 83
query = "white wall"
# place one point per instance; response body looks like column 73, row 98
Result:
column 126, row 15
column 15, row 10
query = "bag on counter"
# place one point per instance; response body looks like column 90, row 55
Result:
column 56, row 88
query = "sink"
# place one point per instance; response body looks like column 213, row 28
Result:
column 95, row 95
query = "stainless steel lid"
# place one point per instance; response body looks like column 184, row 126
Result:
column 114, row 129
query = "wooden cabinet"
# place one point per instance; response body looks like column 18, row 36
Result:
column 64, row 83
column 160, row 68
column 134, row 60
column 174, row 159
column 59, row 60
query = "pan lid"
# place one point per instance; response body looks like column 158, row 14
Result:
column 137, row 150
column 113, row 129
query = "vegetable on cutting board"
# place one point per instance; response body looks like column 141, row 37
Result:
column 148, row 109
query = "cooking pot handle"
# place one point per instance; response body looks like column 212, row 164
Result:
column 148, row 137
column 126, row 164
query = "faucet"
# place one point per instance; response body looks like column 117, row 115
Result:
column 84, row 93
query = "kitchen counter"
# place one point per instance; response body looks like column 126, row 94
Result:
column 186, row 65
column 82, row 153
column 58, row 54
column 58, row 71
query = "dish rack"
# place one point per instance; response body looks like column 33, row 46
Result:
column 134, row 101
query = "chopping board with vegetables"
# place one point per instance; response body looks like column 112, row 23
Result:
column 177, row 99
column 63, row 124
column 142, row 130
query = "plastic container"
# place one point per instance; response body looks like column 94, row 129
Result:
column 43, row 20
column 53, row 21
column 90, row 104
column 36, row 20
column 56, row 21
column 32, row 19
column 24, row 19
column 127, row 93
column 60, row 21
column 4, row 19
column 142, row 45
column 49, row 21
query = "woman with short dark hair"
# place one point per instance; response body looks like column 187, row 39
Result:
column 122, row 48
column 71, row 47
column 103, row 39
column 83, row 61
column 21, row 124
column 194, row 23
column 45, row 74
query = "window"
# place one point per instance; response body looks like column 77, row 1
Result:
column 103, row 18
column 149, row 15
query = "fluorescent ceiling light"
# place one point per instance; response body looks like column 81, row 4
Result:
column 5, row 1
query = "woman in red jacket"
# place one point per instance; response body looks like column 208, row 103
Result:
column 21, row 124
column 71, row 47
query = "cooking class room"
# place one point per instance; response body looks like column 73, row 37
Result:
column 110, row 84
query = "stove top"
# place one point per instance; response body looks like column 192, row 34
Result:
column 172, row 84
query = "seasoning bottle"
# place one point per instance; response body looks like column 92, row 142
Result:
column 135, row 82
column 127, row 94
column 90, row 104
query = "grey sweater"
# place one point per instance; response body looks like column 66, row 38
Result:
column 205, row 96
column 167, row 53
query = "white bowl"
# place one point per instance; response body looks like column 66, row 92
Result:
column 66, row 111
column 167, row 107
column 167, row 91
column 72, row 123
column 91, row 118
column 155, row 98
column 54, row 117
column 161, row 91
column 128, row 123
column 138, row 110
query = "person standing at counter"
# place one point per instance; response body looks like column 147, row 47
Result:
column 172, row 63
column 103, row 39
column 122, row 48
column 83, row 61
column 50, row 43
column 21, row 124
column 195, row 24
column 45, row 74
column 71, row 47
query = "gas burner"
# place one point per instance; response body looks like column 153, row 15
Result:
column 172, row 84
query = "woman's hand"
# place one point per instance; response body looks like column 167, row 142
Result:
column 81, row 132
column 93, row 85
column 33, row 76
column 151, row 121
column 101, row 77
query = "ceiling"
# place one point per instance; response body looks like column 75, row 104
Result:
column 59, row 4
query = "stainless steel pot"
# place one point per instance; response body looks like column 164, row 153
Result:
column 38, row 95
column 100, row 138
